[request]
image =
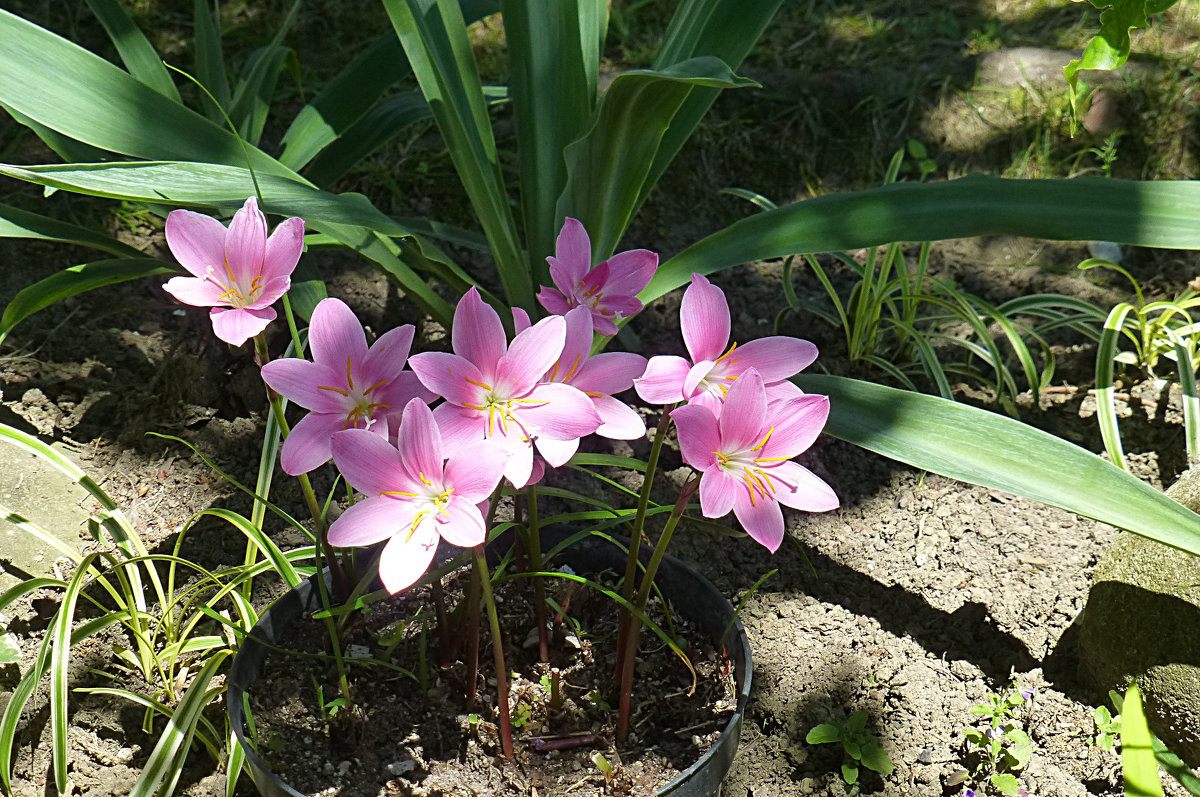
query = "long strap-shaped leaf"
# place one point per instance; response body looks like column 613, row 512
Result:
column 17, row 223
column 138, row 55
column 553, row 64
column 434, row 36
column 1161, row 213
column 252, row 99
column 1137, row 749
column 984, row 448
column 210, row 58
column 607, row 168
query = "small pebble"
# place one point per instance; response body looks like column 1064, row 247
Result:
column 402, row 767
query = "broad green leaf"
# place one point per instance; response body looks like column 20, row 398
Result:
column 1110, row 48
column 1137, row 749
column 875, row 759
column 434, row 37
column 724, row 29
column 17, row 223
column 65, row 147
column 984, row 448
column 210, row 60
column 138, row 55
column 1006, row 783
column 1160, row 214
column 553, row 66
column 73, row 281
column 825, row 732
column 857, row 721
column 608, row 166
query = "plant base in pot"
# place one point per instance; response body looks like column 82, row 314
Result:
column 405, row 735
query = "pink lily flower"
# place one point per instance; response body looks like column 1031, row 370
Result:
column 239, row 272
column 609, row 290
column 494, row 392
column 414, row 498
column 704, row 319
column 744, row 457
column 599, row 376
column 347, row 386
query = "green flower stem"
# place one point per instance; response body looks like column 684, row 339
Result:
column 534, row 544
column 489, row 600
column 629, row 653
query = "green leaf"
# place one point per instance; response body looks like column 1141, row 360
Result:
column 1006, row 783
column 1159, row 214
column 875, row 759
column 210, row 60
column 73, row 281
column 10, row 649
column 981, row 447
column 857, row 721
column 17, row 223
column 138, row 55
column 850, row 773
column 1137, row 749
column 252, row 99
column 825, row 732
column 607, row 167
column 1021, row 749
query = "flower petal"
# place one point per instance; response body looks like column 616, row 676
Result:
column 474, row 477
column 272, row 290
column 454, row 378
column 776, row 357
column 742, row 418
column 603, row 325
column 464, row 526
column 336, row 337
column 462, row 429
column 572, row 256
column 577, row 346
column 614, row 306
column 762, row 519
column 519, row 468
column 695, row 375
column 557, row 452
column 420, row 443
column 246, row 241
column 662, row 382
column 197, row 242
column 283, row 249
column 236, row 326
column 397, row 392
column 301, row 382
column 718, row 491
column 609, row 373
column 553, row 301
column 406, row 557
column 370, row 463
column 704, row 319
column 559, row 412
column 618, row 421
column 386, row 357
column 699, row 438
column 797, row 424
column 478, row 335
column 629, row 272
column 307, row 447
column 782, row 391
column 798, row 487
column 521, row 320
column 530, row 356
column 196, row 292
column 371, row 520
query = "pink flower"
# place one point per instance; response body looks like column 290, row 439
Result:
column 238, row 272
column 745, row 457
column 494, row 392
column 609, row 290
column 704, row 318
column 599, row 376
column 413, row 498
column 347, row 386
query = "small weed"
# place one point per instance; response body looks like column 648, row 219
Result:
column 859, row 747
column 998, row 751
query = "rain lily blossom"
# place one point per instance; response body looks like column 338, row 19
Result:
column 704, row 319
column 599, row 376
column 745, row 457
column 494, row 392
column 239, row 271
column 413, row 497
column 346, row 386
column 609, row 290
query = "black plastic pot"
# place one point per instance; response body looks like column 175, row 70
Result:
column 692, row 595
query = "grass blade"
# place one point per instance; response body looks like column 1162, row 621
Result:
column 1106, row 408
column 1137, row 750
column 138, row 55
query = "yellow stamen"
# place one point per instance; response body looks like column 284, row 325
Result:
column 771, row 459
column 724, row 459
column 234, row 291
column 334, row 389
column 378, row 384
column 398, row 492
column 726, row 354
column 770, row 432
column 488, row 388
column 416, row 522
column 571, row 373
column 349, row 378
column 424, row 480
column 750, row 486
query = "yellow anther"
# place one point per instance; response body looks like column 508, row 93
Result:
column 398, row 492
column 770, row 432
column 234, row 291
column 424, row 480
column 571, row 372
column 726, row 354
column 349, row 378
column 486, row 387
column 724, row 459
column 334, row 389
column 378, row 384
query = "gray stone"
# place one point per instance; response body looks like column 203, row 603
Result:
column 1140, row 622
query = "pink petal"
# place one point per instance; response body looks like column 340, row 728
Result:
column 616, row 306
column 246, row 241
column 519, row 468
column 478, row 335
column 698, row 436
column 743, row 417
column 399, row 390
column 609, row 373
column 196, row 292
column 662, row 383
column 301, row 381
column 762, row 519
column 464, row 527
column 283, row 249
column 272, row 290
column 236, row 326
column 704, row 318
column 710, row 401
column 561, row 412
column 630, row 272
column 420, row 443
column 557, row 452
column 307, row 447
column 618, row 420
column 718, row 491
column 572, row 256
column 602, row 325
column 537, row 472
column 462, row 429
column 521, row 320
column 775, row 357
column 197, row 242
column 371, row 520
column 782, row 391
column 577, row 346
column 454, row 378
column 810, row 493
column 530, row 356
column 695, row 376
column 406, row 558
column 335, row 336
column 797, row 424
column 475, row 477
column 553, row 301
column 369, row 463
column 386, row 357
